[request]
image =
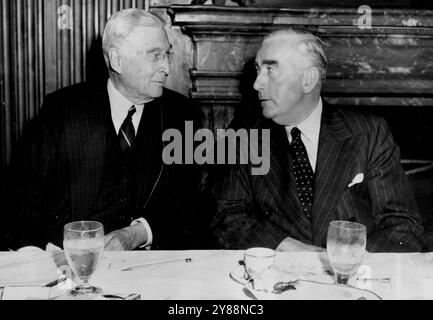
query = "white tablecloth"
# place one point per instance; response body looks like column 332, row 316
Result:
column 207, row 276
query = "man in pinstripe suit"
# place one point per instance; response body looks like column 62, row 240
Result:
column 95, row 153
column 326, row 164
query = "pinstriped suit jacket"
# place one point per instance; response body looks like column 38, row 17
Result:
column 263, row 210
column 70, row 170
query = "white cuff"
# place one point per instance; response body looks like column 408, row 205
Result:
column 148, row 230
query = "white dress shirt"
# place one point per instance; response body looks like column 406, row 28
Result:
column 119, row 106
column 310, row 130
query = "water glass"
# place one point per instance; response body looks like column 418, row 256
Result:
column 346, row 248
column 258, row 260
column 83, row 242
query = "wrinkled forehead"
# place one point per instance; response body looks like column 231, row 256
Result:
column 143, row 38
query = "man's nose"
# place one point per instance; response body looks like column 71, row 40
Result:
column 258, row 84
column 165, row 65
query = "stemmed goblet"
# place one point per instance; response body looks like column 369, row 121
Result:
column 345, row 246
column 83, row 242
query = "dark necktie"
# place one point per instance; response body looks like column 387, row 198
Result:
column 127, row 131
column 303, row 172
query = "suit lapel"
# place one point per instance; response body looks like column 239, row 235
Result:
column 337, row 147
column 87, row 142
column 147, row 150
column 281, row 183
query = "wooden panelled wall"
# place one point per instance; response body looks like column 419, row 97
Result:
column 21, row 67
column 386, row 69
column 42, row 48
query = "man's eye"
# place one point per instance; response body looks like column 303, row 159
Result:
column 156, row 56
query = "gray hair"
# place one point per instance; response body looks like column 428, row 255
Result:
column 122, row 23
column 307, row 43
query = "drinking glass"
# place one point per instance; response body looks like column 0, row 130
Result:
column 257, row 261
column 346, row 248
column 83, row 242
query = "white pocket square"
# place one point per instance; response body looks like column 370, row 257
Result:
column 358, row 179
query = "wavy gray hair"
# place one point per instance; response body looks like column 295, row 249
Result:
column 307, row 43
column 122, row 23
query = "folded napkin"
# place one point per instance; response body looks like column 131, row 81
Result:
column 48, row 248
column 274, row 280
column 28, row 268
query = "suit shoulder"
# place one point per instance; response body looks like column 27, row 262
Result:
column 179, row 106
column 67, row 98
column 61, row 106
column 75, row 92
column 359, row 122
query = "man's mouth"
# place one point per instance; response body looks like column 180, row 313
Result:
column 262, row 98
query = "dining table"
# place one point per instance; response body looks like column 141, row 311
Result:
column 214, row 275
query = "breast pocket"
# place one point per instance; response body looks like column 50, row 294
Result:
column 355, row 204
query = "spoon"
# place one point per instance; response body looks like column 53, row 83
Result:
column 280, row 287
column 132, row 296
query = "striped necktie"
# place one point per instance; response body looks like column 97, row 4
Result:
column 303, row 172
column 127, row 131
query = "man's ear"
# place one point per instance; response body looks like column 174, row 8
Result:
column 310, row 78
column 115, row 59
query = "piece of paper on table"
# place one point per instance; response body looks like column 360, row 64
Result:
column 48, row 248
column 51, row 247
column 26, row 293
column 30, row 268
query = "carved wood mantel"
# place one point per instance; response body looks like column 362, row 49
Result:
column 390, row 64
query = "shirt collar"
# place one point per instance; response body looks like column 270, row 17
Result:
column 310, row 127
column 120, row 105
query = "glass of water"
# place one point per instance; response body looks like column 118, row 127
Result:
column 83, row 242
column 346, row 248
column 257, row 263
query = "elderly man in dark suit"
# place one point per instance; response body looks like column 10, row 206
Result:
column 326, row 163
column 95, row 153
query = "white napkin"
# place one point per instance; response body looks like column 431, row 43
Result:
column 270, row 277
